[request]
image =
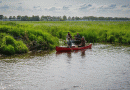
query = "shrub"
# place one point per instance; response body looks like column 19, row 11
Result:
column 20, row 47
column 4, row 29
column 40, row 39
column 9, row 40
column 32, row 37
column 8, row 49
column 10, row 46
column 111, row 38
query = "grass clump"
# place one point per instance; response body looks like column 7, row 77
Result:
column 10, row 46
column 22, row 38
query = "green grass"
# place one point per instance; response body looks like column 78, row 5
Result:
column 94, row 31
column 45, row 35
column 10, row 46
column 16, row 38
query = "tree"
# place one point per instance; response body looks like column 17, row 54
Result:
column 101, row 18
column 69, row 18
column 35, row 18
column 59, row 18
column 18, row 17
column 5, row 17
column 24, row 18
column 73, row 18
column 64, row 18
column 1, row 16
column 42, row 18
column 14, row 17
column 10, row 17
column 77, row 18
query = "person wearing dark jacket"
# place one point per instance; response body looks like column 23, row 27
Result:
column 69, row 36
column 77, row 37
column 69, row 43
column 82, row 44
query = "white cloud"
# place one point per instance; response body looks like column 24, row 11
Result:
column 85, row 6
column 104, row 7
column 4, row 7
column 65, row 7
column 52, row 9
column 19, row 3
column 37, row 8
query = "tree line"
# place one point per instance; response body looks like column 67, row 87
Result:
column 60, row 18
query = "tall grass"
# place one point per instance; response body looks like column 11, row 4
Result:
column 10, row 46
column 20, row 38
column 94, row 31
column 45, row 35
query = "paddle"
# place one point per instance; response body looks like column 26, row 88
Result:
column 71, row 48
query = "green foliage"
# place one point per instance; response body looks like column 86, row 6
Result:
column 8, row 49
column 9, row 40
column 90, row 35
column 111, row 38
column 40, row 40
column 1, row 37
column 45, row 34
column 10, row 46
column 26, row 33
column 32, row 37
column 20, row 47
column 11, row 23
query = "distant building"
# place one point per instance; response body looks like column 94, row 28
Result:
column 15, row 19
column 5, row 19
column 11, row 19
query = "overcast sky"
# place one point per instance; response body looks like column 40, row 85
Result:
column 80, row 8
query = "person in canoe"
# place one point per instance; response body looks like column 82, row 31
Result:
column 77, row 37
column 69, row 43
column 69, row 36
column 82, row 44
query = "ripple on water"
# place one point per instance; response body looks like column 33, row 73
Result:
column 101, row 68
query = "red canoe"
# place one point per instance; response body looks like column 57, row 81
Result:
column 62, row 49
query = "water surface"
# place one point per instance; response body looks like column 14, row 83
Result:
column 104, row 67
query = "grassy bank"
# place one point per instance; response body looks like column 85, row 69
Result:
column 94, row 31
column 16, row 38
column 19, row 37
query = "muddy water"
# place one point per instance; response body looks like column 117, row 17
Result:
column 104, row 67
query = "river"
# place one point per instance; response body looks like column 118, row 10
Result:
column 104, row 67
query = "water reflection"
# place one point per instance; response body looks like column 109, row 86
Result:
column 10, row 60
column 69, row 54
column 30, row 56
column 83, row 53
column 97, row 68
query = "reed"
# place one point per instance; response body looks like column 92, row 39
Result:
column 21, row 38
column 45, row 35
column 94, row 31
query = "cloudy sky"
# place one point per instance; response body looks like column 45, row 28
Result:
column 80, row 8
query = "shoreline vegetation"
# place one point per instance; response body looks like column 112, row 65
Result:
column 18, row 37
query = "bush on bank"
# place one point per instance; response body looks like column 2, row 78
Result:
column 44, row 35
column 10, row 46
column 15, row 39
